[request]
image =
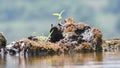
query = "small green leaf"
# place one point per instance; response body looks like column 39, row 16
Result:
column 35, row 33
column 60, row 18
column 62, row 12
column 59, row 15
column 56, row 14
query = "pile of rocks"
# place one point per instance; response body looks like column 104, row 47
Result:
column 65, row 38
column 73, row 35
column 32, row 47
column 111, row 45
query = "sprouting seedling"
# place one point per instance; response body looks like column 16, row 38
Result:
column 49, row 36
column 39, row 39
column 59, row 15
column 35, row 33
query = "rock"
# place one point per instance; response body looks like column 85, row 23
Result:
column 57, row 33
column 112, row 45
column 69, row 25
column 65, row 38
column 34, row 38
column 73, row 34
column 3, row 42
column 97, row 39
column 84, row 32
column 81, row 27
column 37, row 38
column 84, row 47
column 30, row 47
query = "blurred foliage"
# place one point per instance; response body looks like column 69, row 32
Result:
column 20, row 18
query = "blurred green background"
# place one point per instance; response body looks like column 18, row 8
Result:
column 20, row 18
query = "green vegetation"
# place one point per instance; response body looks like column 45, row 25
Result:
column 42, row 38
column 34, row 33
column 59, row 15
column 49, row 36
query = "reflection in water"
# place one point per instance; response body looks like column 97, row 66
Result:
column 96, row 60
column 2, row 61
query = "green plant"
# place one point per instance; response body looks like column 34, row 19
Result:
column 34, row 33
column 59, row 15
column 40, row 38
column 43, row 34
column 49, row 36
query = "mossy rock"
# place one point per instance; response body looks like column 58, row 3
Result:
column 84, row 47
column 3, row 41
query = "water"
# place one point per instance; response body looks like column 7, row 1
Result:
column 79, row 60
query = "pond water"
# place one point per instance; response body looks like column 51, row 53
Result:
column 79, row 60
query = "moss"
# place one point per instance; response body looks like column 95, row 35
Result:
column 84, row 47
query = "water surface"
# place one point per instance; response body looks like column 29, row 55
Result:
column 79, row 60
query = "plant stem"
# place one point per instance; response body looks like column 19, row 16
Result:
column 49, row 36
